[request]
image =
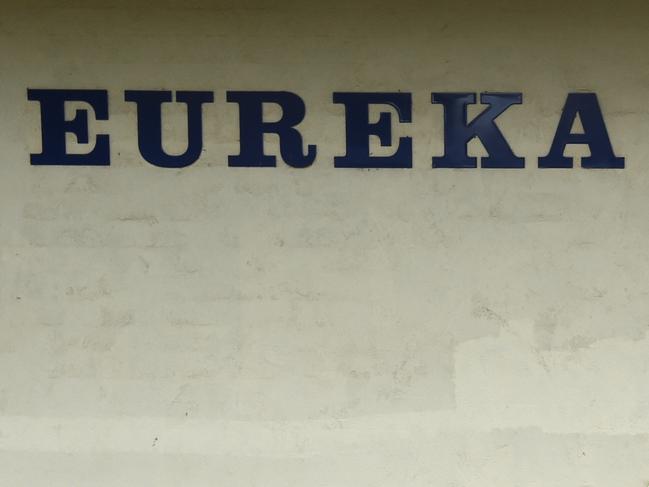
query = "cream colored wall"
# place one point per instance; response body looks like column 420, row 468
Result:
column 324, row 327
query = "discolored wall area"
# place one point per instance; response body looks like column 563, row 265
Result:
column 320, row 326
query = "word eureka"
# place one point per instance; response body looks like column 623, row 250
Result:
column 458, row 130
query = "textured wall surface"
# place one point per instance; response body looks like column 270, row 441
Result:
column 215, row 326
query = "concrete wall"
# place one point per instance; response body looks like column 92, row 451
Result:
column 324, row 327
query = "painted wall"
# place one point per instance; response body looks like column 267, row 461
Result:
column 324, row 327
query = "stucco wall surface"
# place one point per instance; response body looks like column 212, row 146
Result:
column 277, row 327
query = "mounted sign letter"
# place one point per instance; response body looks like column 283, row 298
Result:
column 252, row 129
column 358, row 130
column 54, row 126
column 458, row 133
column 149, row 125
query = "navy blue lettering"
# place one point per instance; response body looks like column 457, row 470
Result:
column 149, row 125
column 594, row 136
column 458, row 132
column 54, row 127
column 252, row 128
column 358, row 130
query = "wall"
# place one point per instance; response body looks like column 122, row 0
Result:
column 324, row 327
